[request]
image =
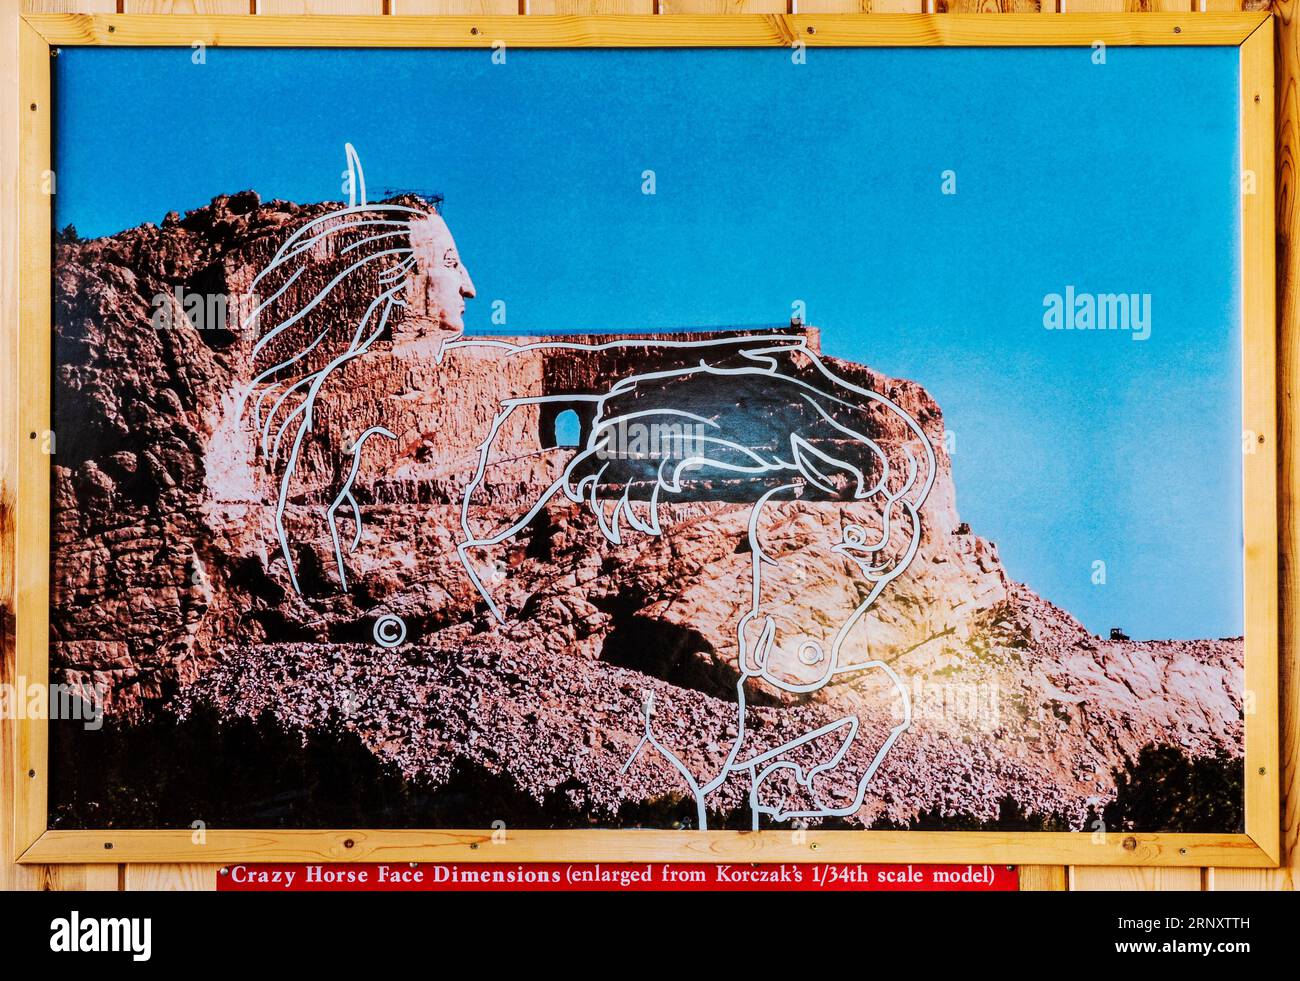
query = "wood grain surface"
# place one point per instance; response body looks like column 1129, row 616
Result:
column 1040, row 877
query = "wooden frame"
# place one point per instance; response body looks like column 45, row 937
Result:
column 1252, row 33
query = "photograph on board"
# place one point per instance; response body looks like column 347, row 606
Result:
column 817, row 451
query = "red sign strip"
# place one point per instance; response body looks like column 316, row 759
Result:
column 615, row 877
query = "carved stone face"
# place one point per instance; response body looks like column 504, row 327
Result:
column 440, row 284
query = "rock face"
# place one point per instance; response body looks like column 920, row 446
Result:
column 171, row 588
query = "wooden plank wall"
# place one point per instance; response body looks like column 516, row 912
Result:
column 115, row 877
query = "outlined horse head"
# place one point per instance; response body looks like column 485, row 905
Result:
column 770, row 426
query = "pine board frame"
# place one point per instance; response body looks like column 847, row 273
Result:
column 28, row 469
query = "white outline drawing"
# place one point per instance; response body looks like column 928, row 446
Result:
column 798, row 466
column 346, row 495
column 803, row 460
column 307, row 388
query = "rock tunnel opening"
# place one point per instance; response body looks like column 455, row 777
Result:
column 568, row 429
column 564, row 424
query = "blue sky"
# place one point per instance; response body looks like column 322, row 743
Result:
column 819, row 182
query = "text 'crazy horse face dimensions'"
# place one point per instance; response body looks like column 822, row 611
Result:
column 755, row 420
